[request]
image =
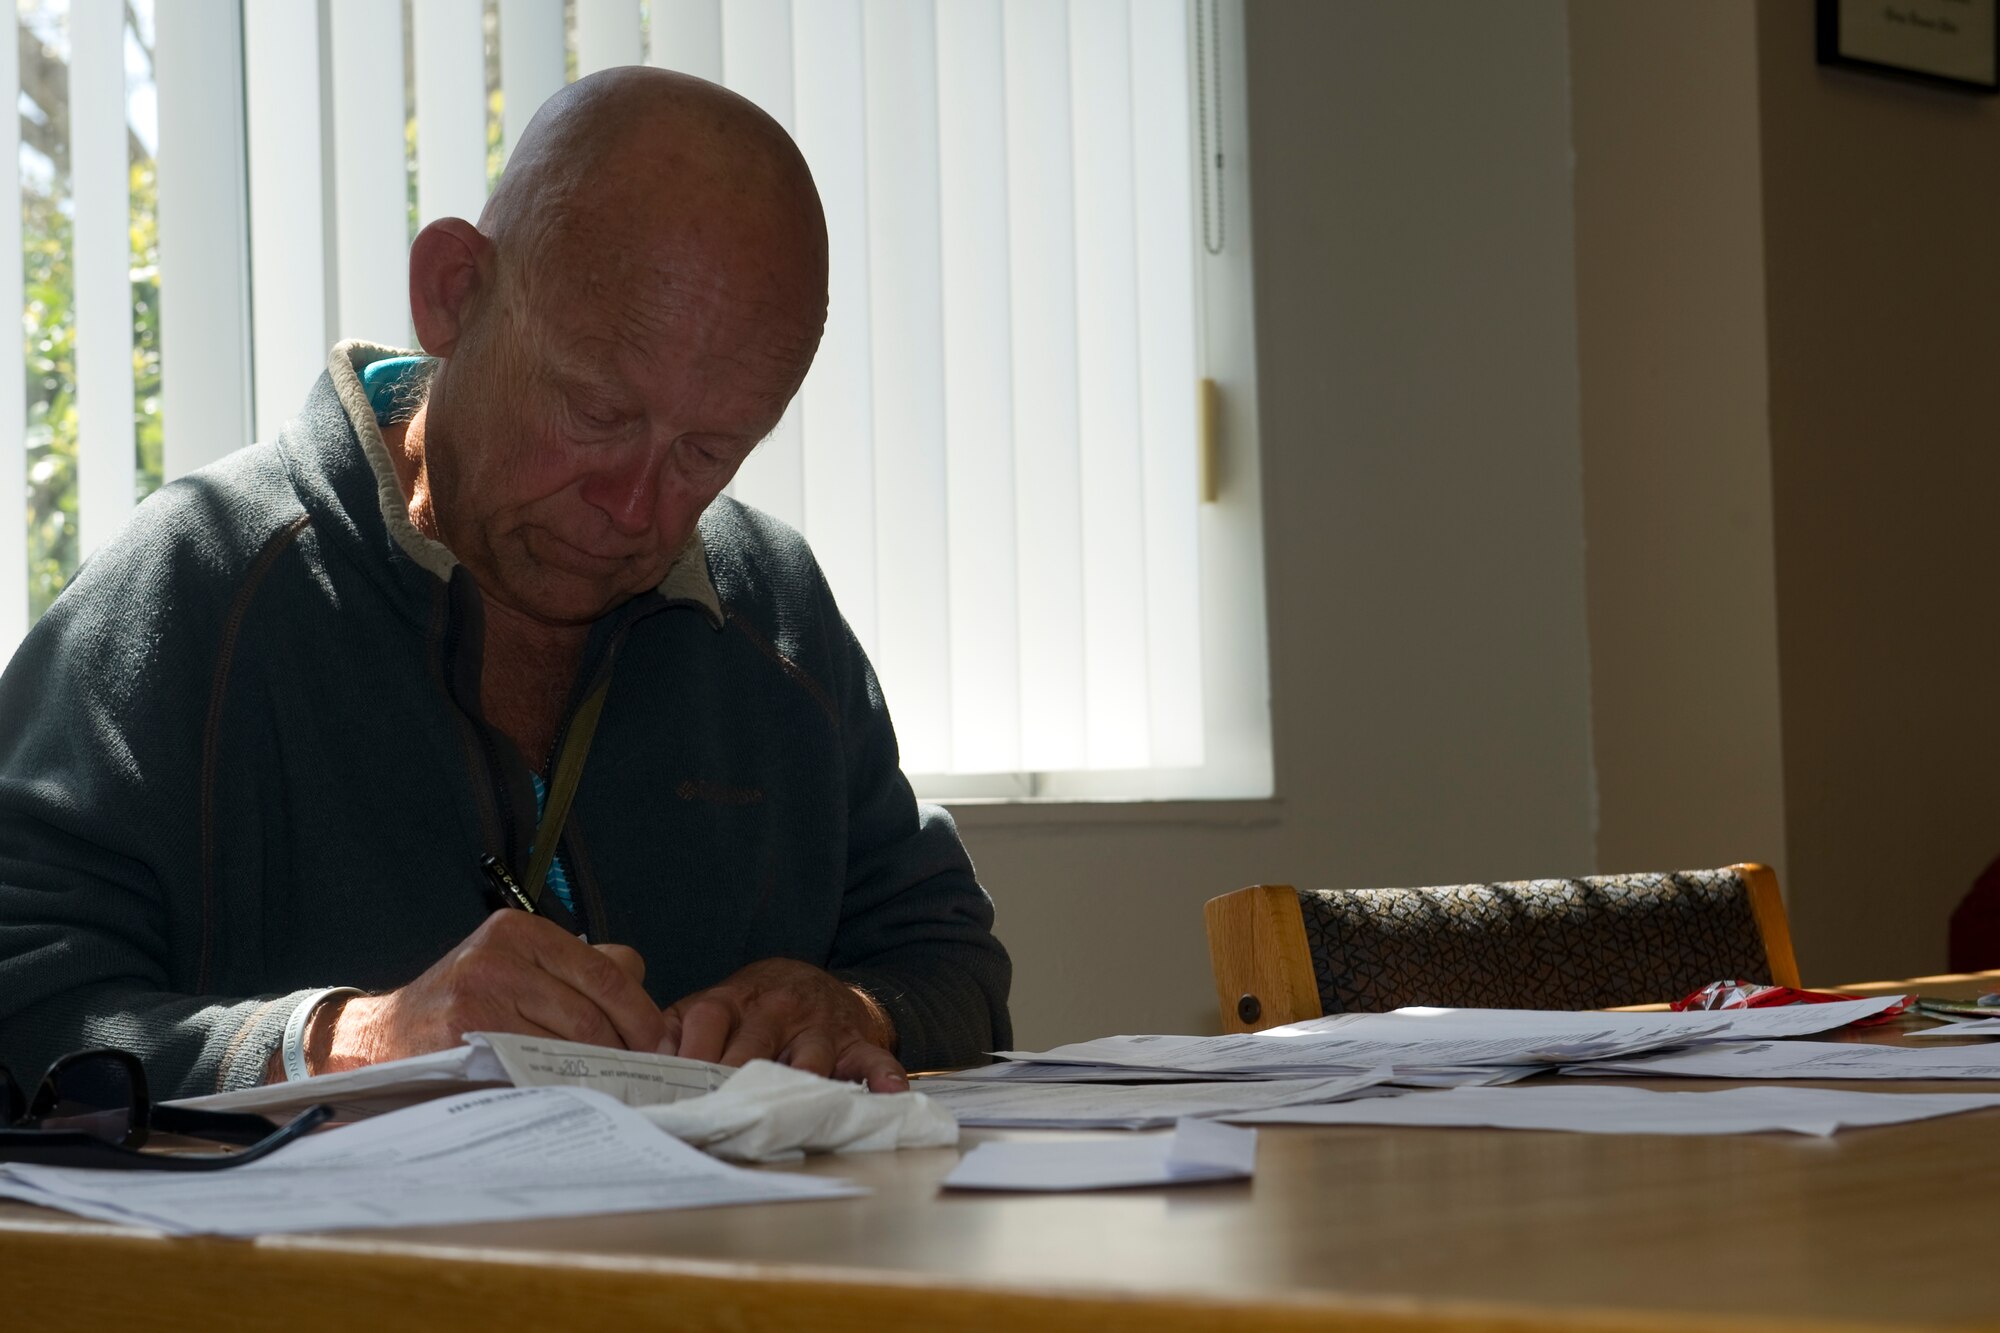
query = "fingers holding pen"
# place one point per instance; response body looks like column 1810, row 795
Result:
column 608, row 978
column 517, row 972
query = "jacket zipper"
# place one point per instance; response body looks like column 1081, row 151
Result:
column 491, row 791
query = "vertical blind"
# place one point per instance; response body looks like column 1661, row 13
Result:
column 995, row 453
column 13, row 387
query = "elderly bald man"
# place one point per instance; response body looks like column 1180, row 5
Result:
column 270, row 762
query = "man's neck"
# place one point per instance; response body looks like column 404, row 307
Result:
column 528, row 664
column 528, row 671
column 526, row 639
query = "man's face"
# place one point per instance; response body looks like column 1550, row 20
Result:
column 588, row 418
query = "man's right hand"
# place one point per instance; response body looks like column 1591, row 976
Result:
column 516, row 973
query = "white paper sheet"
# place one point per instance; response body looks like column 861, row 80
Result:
column 636, row 1078
column 1466, row 1076
column 1197, row 1150
column 1147, row 1106
column 1030, row 1071
column 487, row 1060
column 1806, row 1059
column 1796, row 1020
column 1616, row 1110
column 1385, row 1040
column 1966, row 1027
column 367, row 1091
column 503, row 1154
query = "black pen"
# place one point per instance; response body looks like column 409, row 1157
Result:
column 505, row 889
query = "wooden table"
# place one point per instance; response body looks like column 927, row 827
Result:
column 1343, row 1228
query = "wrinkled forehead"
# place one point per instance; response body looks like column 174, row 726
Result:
column 675, row 324
column 682, row 210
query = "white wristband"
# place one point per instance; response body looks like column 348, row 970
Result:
column 295, row 1030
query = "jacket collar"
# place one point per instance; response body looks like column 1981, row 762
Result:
column 376, row 494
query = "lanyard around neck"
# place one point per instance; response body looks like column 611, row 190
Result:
column 562, row 786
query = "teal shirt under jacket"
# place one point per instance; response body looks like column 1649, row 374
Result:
column 242, row 758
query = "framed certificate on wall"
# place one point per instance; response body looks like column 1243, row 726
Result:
column 1946, row 43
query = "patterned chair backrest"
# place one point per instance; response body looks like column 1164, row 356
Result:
column 1536, row 944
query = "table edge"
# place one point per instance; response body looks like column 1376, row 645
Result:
column 388, row 1286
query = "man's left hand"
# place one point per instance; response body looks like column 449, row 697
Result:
column 795, row 1013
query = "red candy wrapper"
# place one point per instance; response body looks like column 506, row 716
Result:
column 1750, row 995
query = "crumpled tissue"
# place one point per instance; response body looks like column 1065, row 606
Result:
column 769, row 1112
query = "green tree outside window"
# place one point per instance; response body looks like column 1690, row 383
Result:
column 48, row 316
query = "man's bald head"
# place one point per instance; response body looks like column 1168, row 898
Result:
column 640, row 300
column 636, row 174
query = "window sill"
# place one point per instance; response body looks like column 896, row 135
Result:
column 1000, row 813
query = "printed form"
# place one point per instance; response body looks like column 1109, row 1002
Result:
column 503, row 1154
column 487, row 1060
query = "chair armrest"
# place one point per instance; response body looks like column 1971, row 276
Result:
column 1262, row 963
column 1767, row 905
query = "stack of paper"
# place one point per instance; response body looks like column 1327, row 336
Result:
column 1095, row 1105
column 1806, row 1059
column 1136, row 1082
column 1433, row 1047
column 1797, row 1020
column 499, row 1155
column 1352, row 1052
column 1331, row 1071
column 1615, row 1110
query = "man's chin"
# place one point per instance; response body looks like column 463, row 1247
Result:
column 566, row 599
column 560, row 584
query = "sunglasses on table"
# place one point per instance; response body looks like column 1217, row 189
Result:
column 92, row 1109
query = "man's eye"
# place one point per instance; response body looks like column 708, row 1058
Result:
column 699, row 455
column 595, row 417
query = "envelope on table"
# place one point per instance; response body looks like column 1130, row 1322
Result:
column 1197, row 1150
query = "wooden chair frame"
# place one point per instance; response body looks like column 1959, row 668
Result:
column 1263, row 967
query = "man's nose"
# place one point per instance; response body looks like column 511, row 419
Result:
column 627, row 489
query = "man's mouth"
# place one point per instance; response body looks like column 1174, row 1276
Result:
column 584, row 559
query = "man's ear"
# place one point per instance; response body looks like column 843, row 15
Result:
column 449, row 262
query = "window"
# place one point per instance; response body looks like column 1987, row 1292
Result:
column 1035, row 210
column 87, row 396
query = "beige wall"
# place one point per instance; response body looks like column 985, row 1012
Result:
column 1747, row 347
column 1423, row 509
column 1676, row 442
column 1786, row 286
column 1882, row 258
